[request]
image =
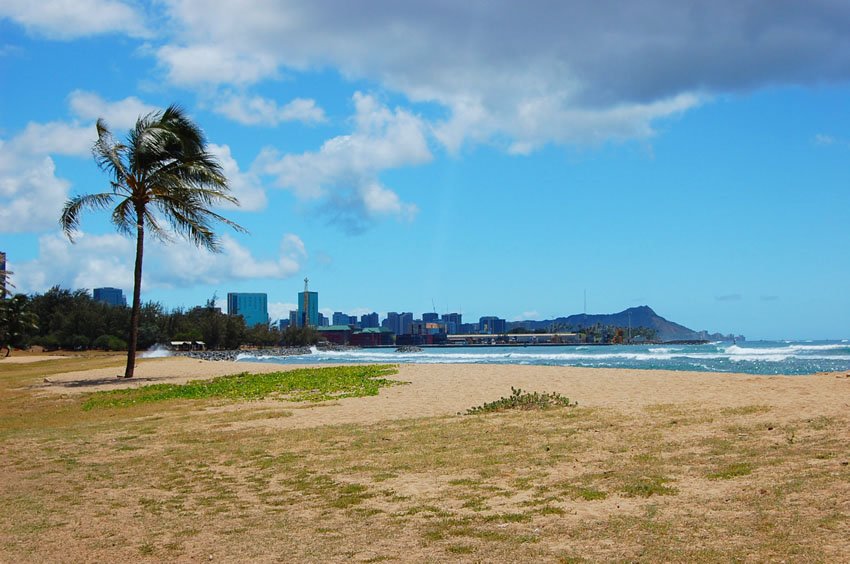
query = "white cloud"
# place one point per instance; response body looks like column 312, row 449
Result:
column 56, row 138
column 68, row 19
column 184, row 264
column 107, row 260
column 31, row 193
column 280, row 310
column 523, row 76
column 246, row 186
column 215, row 64
column 256, row 110
column 121, row 114
column 345, row 169
column 93, row 261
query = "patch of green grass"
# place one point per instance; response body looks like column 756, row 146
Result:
column 306, row 384
column 589, row 494
column 523, row 401
column 646, row 486
column 731, row 471
column 461, row 549
column 746, row 410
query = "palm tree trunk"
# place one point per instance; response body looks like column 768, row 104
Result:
column 137, row 297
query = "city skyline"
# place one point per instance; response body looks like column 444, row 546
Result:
column 502, row 161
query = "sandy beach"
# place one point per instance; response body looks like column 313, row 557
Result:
column 651, row 466
column 446, row 389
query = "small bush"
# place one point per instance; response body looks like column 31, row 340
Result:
column 524, row 401
column 109, row 343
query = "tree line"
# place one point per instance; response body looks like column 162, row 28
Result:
column 67, row 319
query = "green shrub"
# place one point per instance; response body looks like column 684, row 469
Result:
column 109, row 343
column 524, row 401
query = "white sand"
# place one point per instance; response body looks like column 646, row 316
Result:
column 445, row 389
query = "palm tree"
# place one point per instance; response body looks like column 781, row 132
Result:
column 163, row 177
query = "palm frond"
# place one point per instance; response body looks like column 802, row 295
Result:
column 70, row 218
column 109, row 156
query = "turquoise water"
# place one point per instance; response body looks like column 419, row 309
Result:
column 763, row 357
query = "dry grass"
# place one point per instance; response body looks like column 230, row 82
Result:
column 181, row 481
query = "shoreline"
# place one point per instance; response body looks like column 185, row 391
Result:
column 447, row 389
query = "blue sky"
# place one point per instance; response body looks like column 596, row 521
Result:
column 490, row 158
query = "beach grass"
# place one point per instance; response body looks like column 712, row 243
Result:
column 305, row 384
column 187, row 479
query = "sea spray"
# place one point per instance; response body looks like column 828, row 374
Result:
column 157, row 351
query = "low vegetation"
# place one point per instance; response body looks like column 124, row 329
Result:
column 306, row 384
column 523, row 401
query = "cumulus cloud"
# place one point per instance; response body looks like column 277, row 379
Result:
column 246, row 186
column 63, row 19
column 563, row 72
column 107, row 260
column 280, row 310
column 31, row 193
column 121, row 114
column 215, row 64
column 93, row 261
column 256, row 110
column 346, row 169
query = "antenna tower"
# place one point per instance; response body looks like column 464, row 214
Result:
column 306, row 320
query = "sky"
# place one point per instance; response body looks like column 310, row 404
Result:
column 486, row 157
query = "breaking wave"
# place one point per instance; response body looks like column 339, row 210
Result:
column 753, row 358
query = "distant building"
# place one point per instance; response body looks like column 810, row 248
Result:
column 369, row 320
column 340, row 318
column 453, row 321
column 293, row 318
column 467, row 329
column 110, row 296
column 253, row 307
column 324, row 321
column 430, row 317
column 392, row 322
column 372, row 337
column 283, row 324
column 308, row 309
column 337, row 334
column 405, row 321
column 491, row 325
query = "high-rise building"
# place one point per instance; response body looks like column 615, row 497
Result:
column 405, row 321
column 253, row 307
column 340, row 318
column 491, row 325
column 453, row 322
column 2, row 275
column 430, row 317
column 392, row 322
column 369, row 320
column 293, row 318
column 308, row 309
column 282, row 324
column 324, row 321
column 110, row 296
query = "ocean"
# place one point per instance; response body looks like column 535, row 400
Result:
column 757, row 357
